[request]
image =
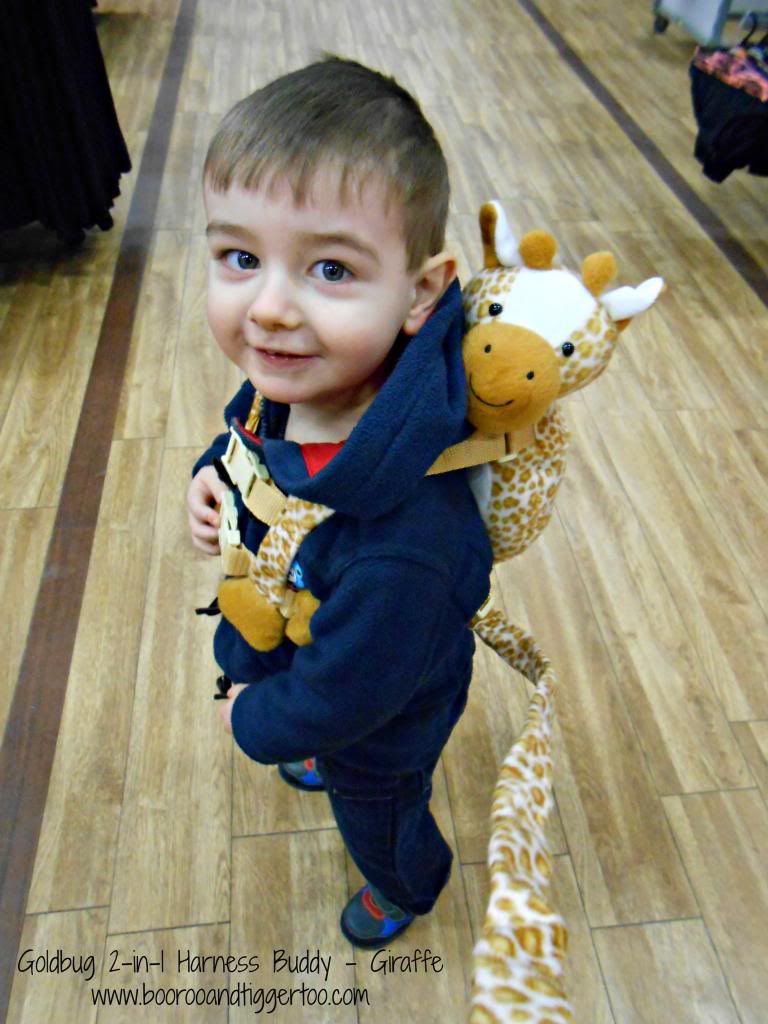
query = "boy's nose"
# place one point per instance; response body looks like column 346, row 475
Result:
column 274, row 307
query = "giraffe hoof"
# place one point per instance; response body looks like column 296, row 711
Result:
column 257, row 620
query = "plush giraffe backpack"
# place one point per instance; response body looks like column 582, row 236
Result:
column 535, row 333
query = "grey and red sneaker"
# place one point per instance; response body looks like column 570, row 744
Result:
column 369, row 920
column 302, row 775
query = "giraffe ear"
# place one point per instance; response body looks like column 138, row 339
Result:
column 624, row 303
column 500, row 247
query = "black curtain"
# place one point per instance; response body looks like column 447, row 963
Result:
column 61, row 148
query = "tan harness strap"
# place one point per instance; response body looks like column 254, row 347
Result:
column 266, row 501
column 481, row 448
column 263, row 500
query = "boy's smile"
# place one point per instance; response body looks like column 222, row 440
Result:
column 308, row 299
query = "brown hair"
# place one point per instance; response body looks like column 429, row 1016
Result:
column 341, row 114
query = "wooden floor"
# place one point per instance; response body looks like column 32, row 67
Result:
column 649, row 591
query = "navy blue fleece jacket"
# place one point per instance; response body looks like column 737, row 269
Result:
column 400, row 570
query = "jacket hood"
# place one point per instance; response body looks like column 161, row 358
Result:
column 418, row 413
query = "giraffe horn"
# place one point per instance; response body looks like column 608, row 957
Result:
column 624, row 303
column 597, row 271
column 500, row 248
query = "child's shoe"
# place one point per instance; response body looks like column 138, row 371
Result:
column 369, row 920
column 302, row 775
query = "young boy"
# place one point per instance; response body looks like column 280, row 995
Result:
column 327, row 194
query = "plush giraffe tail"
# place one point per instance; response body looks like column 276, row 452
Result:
column 518, row 961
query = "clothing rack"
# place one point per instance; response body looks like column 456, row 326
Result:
column 705, row 19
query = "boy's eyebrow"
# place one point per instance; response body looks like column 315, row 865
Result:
column 322, row 238
column 222, row 227
column 341, row 238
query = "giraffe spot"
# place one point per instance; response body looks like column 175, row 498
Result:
column 531, row 940
column 480, row 1015
column 507, row 994
column 502, row 944
column 543, row 865
column 559, row 937
column 546, row 988
column 538, row 906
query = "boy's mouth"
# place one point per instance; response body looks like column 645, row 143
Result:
column 277, row 358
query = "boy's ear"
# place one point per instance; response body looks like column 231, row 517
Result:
column 433, row 278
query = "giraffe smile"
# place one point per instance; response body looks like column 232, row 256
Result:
column 493, row 405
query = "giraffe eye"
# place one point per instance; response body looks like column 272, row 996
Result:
column 495, row 308
column 568, row 348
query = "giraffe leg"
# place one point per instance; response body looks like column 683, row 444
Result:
column 257, row 620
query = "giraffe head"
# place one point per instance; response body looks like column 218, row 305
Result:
column 536, row 332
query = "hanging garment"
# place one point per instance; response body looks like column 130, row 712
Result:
column 62, row 152
column 730, row 101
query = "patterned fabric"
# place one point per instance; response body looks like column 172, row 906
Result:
column 739, row 67
column 518, row 961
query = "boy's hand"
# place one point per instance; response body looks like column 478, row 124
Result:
column 225, row 708
column 204, row 494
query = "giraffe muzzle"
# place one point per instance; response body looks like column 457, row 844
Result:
column 513, row 376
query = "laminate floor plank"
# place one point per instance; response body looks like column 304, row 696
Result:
column 623, row 855
column 680, row 722
column 40, row 423
column 176, row 806
column 179, row 207
column 24, row 301
column 145, row 398
column 178, row 976
column 53, row 994
column 135, row 87
column 735, row 493
column 755, row 444
column 263, row 804
column 711, row 594
column 26, row 534
column 78, row 840
column 723, row 839
column 753, row 740
column 664, row 972
column 276, row 881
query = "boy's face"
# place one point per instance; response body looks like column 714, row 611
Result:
column 308, row 300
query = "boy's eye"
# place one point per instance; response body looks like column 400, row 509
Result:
column 238, row 259
column 331, row 270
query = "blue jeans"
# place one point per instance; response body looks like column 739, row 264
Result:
column 390, row 833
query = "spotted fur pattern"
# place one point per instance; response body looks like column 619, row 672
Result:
column 518, row 961
column 523, row 490
column 269, row 570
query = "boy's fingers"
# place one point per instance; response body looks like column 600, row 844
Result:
column 207, row 548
